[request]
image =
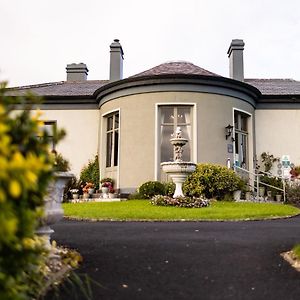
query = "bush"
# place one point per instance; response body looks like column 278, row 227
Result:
column 90, row 173
column 26, row 170
column 169, row 188
column 151, row 188
column 212, row 181
column 293, row 194
column 274, row 181
column 60, row 163
column 187, row 202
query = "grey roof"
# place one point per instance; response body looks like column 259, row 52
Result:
column 177, row 67
column 276, row 86
column 61, row 88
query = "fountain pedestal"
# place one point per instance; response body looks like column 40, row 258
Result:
column 178, row 169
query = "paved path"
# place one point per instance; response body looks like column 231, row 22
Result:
column 186, row 260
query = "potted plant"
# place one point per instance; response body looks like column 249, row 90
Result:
column 88, row 190
column 240, row 187
column 75, row 194
column 106, row 186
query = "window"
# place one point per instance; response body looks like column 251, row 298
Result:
column 171, row 118
column 241, row 139
column 50, row 128
column 112, row 140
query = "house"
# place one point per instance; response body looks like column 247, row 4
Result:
column 129, row 121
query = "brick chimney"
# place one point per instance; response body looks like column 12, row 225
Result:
column 77, row 72
column 116, row 61
column 236, row 61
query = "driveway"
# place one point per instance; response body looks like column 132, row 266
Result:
column 185, row 260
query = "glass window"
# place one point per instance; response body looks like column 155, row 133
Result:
column 50, row 128
column 171, row 118
column 112, row 140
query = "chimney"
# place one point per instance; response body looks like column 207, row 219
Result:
column 116, row 61
column 77, row 72
column 236, row 61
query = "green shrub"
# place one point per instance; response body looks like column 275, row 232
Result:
column 169, row 188
column 274, row 181
column 90, row 172
column 60, row 163
column 212, row 181
column 25, row 172
column 293, row 194
column 151, row 188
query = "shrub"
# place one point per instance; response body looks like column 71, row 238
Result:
column 169, row 188
column 90, row 172
column 60, row 163
column 151, row 188
column 213, row 181
column 26, row 170
column 293, row 194
column 188, row 202
column 274, row 181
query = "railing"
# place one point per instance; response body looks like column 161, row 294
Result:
column 254, row 181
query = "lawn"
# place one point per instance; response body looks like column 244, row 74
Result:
column 142, row 210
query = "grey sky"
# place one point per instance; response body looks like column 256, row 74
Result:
column 40, row 37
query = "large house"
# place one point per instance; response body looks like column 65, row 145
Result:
column 129, row 122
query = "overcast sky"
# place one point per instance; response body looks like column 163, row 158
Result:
column 40, row 37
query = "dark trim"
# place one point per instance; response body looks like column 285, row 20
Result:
column 144, row 81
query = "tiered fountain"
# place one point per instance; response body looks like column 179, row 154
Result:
column 178, row 169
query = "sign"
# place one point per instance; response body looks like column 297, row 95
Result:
column 229, row 148
column 285, row 160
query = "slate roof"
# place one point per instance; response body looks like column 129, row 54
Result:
column 177, row 67
column 61, row 88
column 276, row 86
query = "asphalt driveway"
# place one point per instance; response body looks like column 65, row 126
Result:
column 185, row 260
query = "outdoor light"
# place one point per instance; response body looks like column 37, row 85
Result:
column 228, row 129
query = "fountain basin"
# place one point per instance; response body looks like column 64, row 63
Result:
column 178, row 171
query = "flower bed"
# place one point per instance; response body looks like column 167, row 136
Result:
column 180, row 201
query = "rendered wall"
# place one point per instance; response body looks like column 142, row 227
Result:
column 81, row 142
column 278, row 133
column 138, row 137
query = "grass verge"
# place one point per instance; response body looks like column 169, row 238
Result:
column 134, row 210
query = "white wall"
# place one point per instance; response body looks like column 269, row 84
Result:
column 278, row 132
column 81, row 142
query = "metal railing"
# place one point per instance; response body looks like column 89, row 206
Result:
column 255, row 182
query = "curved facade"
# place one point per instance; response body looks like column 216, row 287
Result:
column 150, row 108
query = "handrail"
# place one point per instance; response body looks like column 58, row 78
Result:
column 257, row 181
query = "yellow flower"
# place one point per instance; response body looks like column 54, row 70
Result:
column 28, row 243
column 15, row 188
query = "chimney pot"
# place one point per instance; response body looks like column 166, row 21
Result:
column 236, row 60
column 77, row 72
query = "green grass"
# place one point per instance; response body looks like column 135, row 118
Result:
column 143, row 210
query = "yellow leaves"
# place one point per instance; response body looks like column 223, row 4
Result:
column 15, row 189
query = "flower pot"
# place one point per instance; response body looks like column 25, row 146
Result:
column 104, row 191
column 269, row 195
column 86, row 196
column 75, row 196
column 248, row 196
column 237, row 195
column 278, row 197
column 53, row 210
column 91, row 191
column 261, row 191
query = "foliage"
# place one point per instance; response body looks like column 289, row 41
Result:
column 274, row 181
column 107, row 179
column 88, row 185
column 151, row 188
column 293, row 194
column 268, row 160
column 212, row 181
column 296, row 251
column 61, row 164
column 169, row 188
column 143, row 210
column 90, row 172
column 295, row 172
column 180, row 201
column 70, row 187
column 26, row 170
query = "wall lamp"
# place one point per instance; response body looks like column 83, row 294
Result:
column 229, row 132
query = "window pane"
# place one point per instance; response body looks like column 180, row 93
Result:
column 116, row 121
column 166, row 147
column 167, row 115
column 109, row 123
column 244, row 123
column 183, row 115
column 109, row 149
column 186, row 156
column 116, row 147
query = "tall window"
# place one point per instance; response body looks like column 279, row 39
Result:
column 50, row 128
column 171, row 118
column 112, row 140
column 241, row 139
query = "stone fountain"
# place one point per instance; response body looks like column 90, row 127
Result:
column 178, row 169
